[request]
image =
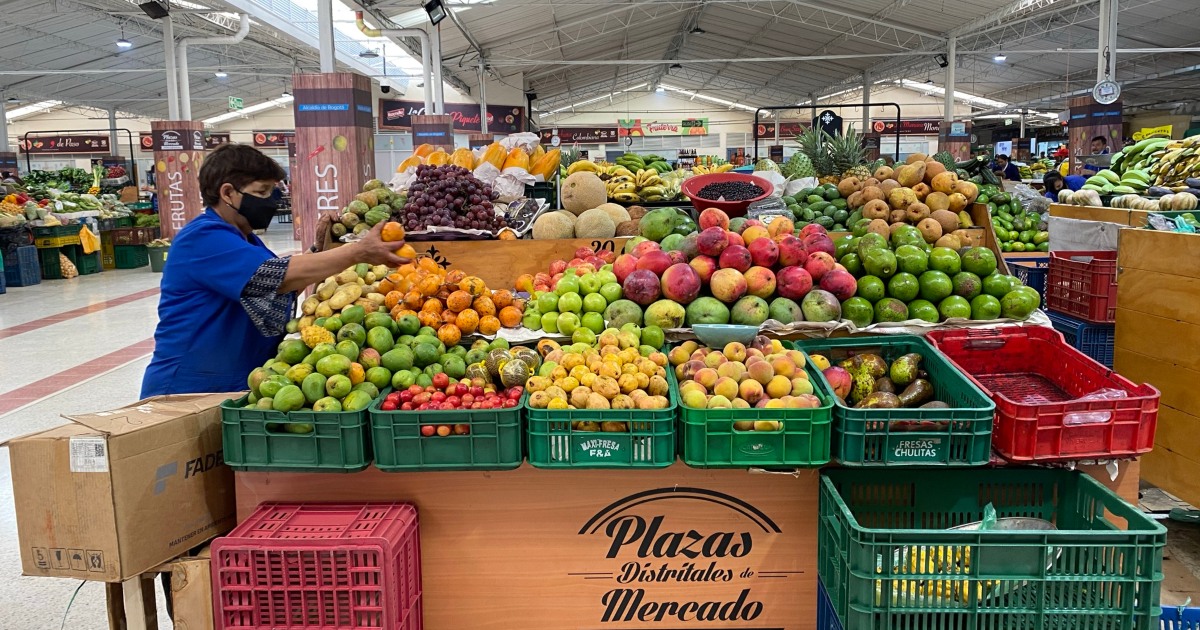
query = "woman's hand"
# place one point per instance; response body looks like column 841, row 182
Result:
column 373, row 250
column 324, row 221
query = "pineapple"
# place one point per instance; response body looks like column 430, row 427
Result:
column 848, row 155
column 814, row 145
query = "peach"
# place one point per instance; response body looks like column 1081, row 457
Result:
column 707, row 377
column 779, row 386
column 690, row 346
column 695, row 398
column 692, row 386
column 689, row 369
column 801, row 385
column 726, row 387
column 711, row 217
column 750, row 390
column 761, row 371
column 792, row 251
column 753, row 353
column 772, row 403
column 719, row 402
column 733, row 370
column 738, row 403
column 783, row 366
column 793, row 283
column 678, row 355
column 797, row 358
column 760, row 282
column 705, row 266
column 810, row 400
column 728, row 285
column 840, row 380
column 735, row 351
column 714, row 359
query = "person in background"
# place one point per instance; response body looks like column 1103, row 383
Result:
column 10, row 178
column 1099, row 147
column 1005, row 169
column 1055, row 183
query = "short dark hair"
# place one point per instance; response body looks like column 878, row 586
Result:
column 238, row 165
column 1102, row 139
column 1002, row 157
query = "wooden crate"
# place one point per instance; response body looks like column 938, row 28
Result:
column 1157, row 330
column 131, row 604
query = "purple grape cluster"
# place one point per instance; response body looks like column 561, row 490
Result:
column 449, row 196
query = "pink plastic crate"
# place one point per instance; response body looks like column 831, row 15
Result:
column 310, row 566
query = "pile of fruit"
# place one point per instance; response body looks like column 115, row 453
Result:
column 764, row 375
column 867, row 381
column 539, row 163
column 326, row 377
column 621, row 370
column 1162, row 165
column 1108, row 182
column 374, row 204
column 574, row 298
column 718, row 165
column 895, row 275
column 1017, row 229
column 586, row 261
column 632, row 179
column 448, row 196
column 1167, row 202
column 449, row 301
column 602, row 221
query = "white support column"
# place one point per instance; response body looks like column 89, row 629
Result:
column 112, row 131
column 325, row 34
column 866, row 117
column 951, row 62
column 3, row 123
column 483, row 124
column 172, row 74
column 1106, row 57
column 1022, row 124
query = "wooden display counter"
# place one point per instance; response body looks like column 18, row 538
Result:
column 1157, row 334
column 589, row 549
column 1120, row 216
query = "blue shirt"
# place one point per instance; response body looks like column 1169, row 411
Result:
column 205, row 340
column 1012, row 173
column 1070, row 182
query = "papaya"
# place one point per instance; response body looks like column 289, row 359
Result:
column 437, row 158
column 463, row 157
column 546, row 165
column 517, row 158
column 424, row 150
column 411, row 162
column 495, row 155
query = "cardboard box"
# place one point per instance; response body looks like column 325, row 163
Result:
column 117, row 493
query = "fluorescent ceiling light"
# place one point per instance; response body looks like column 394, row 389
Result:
column 710, row 99
column 220, row 74
column 28, row 110
column 1000, row 57
column 660, row 89
column 253, row 109
column 124, row 43
column 594, row 100
column 962, row 96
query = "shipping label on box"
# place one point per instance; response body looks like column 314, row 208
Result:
column 116, row 493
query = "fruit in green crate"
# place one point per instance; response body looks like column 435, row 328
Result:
column 955, row 306
column 765, row 375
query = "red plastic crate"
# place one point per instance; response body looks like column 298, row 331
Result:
column 1083, row 285
column 1036, row 379
column 311, row 566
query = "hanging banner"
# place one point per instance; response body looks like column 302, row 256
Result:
column 1162, row 131
column 829, row 122
column 178, row 153
column 397, row 115
column 273, row 139
column 65, row 143
column 787, row 130
column 922, row 127
column 211, row 140
column 687, row 127
column 583, row 135
column 1091, row 123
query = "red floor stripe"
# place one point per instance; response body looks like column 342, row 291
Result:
column 57, row 318
column 67, row 378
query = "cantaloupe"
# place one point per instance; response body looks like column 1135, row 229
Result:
column 582, row 191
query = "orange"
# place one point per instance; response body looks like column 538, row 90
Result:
column 414, row 300
column 459, row 300
column 433, row 306
column 449, row 317
column 433, row 320
column 449, row 334
column 357, row 374
column 392, row 298
column 392, row 231
column 467, row 321
column 455, row 276
column 488, row 325
column 484, row 305
column 502, row 298
column 473, row 285
column 510, row 317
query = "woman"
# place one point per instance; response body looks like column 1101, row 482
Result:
column 226, row 298
column 1055, row 183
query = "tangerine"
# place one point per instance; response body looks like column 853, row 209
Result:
column 484, row 305
column 510, row 317
column 449, row 334
column 468, row 321
column 488, row 325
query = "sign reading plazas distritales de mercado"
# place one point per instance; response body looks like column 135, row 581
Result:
column 689, row 556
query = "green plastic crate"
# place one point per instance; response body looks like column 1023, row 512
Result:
column 131, row 256
column 708, row 439
column 1100, row 570
column 493, row 441
column 255, row 440
column 960, row 435
column 648, row 443
column 52, row 269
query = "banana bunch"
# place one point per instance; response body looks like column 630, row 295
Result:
column 704, row 169
column 1166, row 163
column 926, row 562
column 584, row 166
column 623, row 187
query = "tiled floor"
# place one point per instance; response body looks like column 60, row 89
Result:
column 81, row 345
column 71, row 346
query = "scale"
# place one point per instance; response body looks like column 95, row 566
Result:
column 1106, row 92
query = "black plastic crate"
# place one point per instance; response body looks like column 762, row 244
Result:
column 21, row 269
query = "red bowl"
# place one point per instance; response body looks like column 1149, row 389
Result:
column 692, row 185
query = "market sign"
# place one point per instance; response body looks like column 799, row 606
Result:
column 588, row 135
column 923, row 127
column 8, row 162
column 273, row 139
column 176, row 139
column 635, row 127
column 1162, row 131
column 829, row 121
column 787, row 130
column 211, row 140
column 64, row 143
column 395, row 115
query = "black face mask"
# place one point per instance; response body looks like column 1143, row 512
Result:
column 258, row 210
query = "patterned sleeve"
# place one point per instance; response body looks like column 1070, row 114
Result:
column 267, row 308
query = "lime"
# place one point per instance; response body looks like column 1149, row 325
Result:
column 923, row 310
column 985, row 306
column 871, row 288
column 935, row 286
column 904, row 287
column 912, row 259
column 890, row 310
column 955, row 306
column 996, row 284
column 945, row 260
column 859, row 311
column 967, row 284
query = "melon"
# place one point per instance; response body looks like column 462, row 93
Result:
column 582, row 191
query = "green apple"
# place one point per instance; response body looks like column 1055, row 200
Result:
column 569, row 283
column 611, row 291
column 550, row 322
column 570, row 302
column 567, row 323
column 594, row 303
column 593, row 321
column 547, row 302
column 589, row 283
